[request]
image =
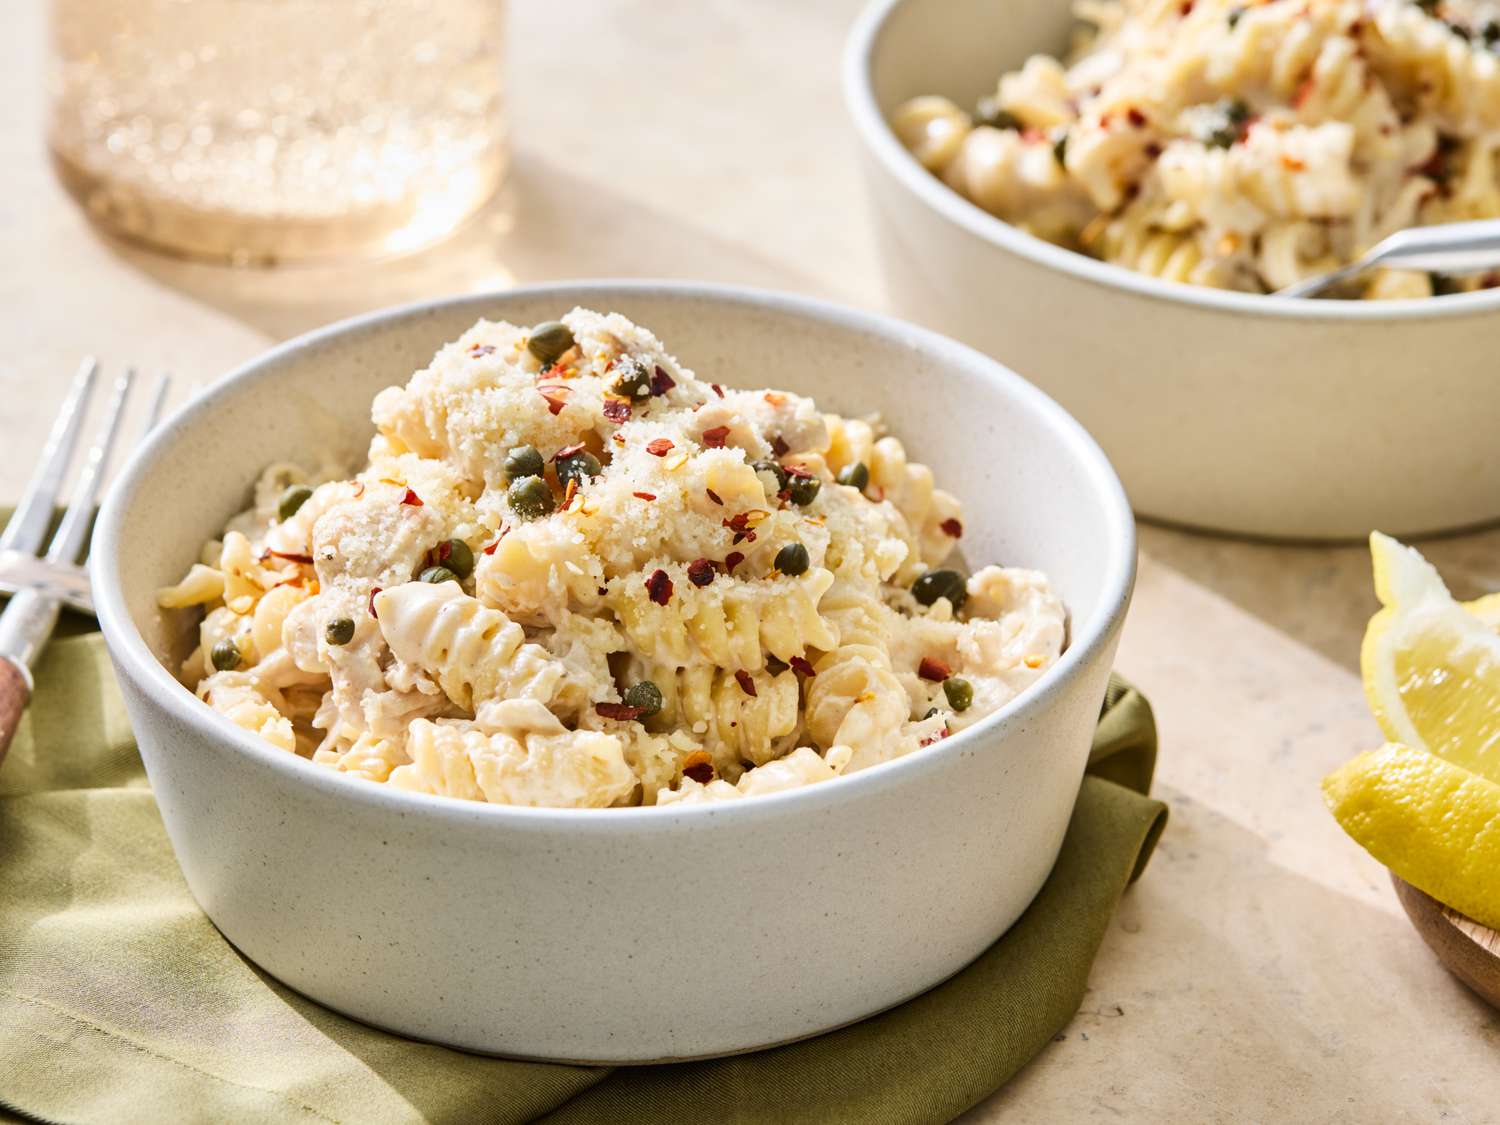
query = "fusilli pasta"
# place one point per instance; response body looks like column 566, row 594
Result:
column 1237, row 145
column 574, row 574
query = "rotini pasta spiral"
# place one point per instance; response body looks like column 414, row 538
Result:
column 476, row 653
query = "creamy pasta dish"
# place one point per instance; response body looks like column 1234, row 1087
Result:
column 575, row 574
column 1238, row 144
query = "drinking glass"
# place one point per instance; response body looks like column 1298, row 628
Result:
column 266, row 131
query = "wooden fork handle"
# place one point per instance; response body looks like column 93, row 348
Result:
column 15, row 693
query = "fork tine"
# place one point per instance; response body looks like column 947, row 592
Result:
column 28, row 526
column 158, row 400
column 75, row 523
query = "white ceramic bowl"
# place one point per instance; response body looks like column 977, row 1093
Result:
column 1231, row 411
column 630, row 934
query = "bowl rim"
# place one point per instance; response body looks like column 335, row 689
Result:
column 875, row 132
column 135, row 658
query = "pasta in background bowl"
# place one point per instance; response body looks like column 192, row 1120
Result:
column 620, row 934
column 1238, row 145
column 1222, row 409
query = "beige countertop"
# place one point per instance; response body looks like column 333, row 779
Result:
column 1262, row 970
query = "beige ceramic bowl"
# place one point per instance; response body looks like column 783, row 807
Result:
column 625, row 934
column 1230, row 411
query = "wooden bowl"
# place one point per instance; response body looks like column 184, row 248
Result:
column 1470, row 952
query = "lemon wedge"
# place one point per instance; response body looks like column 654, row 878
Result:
column 1433, row 823
column 1431, row 665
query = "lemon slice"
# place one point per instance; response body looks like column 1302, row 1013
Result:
column 1433, row 823
column 1431, row 666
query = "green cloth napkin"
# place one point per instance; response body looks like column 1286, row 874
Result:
column 119, row 1001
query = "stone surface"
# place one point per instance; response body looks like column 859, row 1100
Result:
column 1262, row 970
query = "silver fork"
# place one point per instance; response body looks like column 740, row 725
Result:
column 41, row 584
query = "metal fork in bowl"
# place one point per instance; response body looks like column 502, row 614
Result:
column 1452, row 248
column 41, row 584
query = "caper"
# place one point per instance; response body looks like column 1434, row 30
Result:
column 856, row 475
column 578, row 466
column 225, row 655
column 530, row 497
column 456, row 556
column 937, row 584
column 632, row 380
column 960, row 693
column 549, row 340
column 292, row 499
column 524, row 461
column 792, row 560
column 988, row 112
column 805, row 490
column 645, row 697
column 436, row 575
column 339, row 631
column 777, row 476
column 1233, row 115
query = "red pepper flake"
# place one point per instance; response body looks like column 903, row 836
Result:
column 740, row 525
column 775, row 399
column 942, row 734
column 803, row 665
column 698, row 767
column 732, row 560
column 371, row 604
column 490, row 550
column 718, row 390
column 602, row 591
column 1292, row 164
column 716, row 437
column 1304, row 92
column 567, row 451
column 291, row 556
column 1135, row 117
column 481, row 349
column 779, row 447
column 659, row 447
column 934, row 670
column 952, row 528
column 661, row 382
column 1153, row 150
column 618, row 439
column 700, row 572
column 411, row 499
column 571, row 492
column 617, row 410
column 295, row 580
column 359, row 489
column 1185, row 9
column 714, row 496
column 659, row 587
column 644, row 495
column 797, row 471
column 747, row 685
column 556, row 396
column 623, row 712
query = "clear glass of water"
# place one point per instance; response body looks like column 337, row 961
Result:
column 266, row 131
